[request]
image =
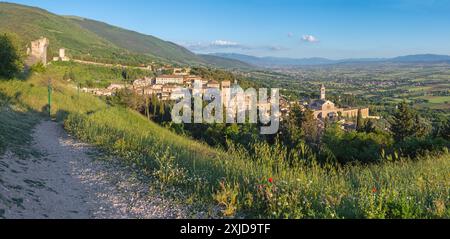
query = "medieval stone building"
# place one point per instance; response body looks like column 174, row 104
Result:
column 324, row 108
column 37, row 52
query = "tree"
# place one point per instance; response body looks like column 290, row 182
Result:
column 11, row 58
column 421, row 129
column 359, row 122
column 291, row 128
column 124, row 74
column 309, row 127
column 441, row 128
column 355, row 146
column 369, row 127
column 445, row 133
column 300, row 126
column 403, row 123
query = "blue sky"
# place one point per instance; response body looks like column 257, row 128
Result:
column 286, row 28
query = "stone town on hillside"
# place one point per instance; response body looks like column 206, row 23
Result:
column 165, row 88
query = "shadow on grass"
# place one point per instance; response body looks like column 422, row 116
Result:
column 16, row 127
column 24, row 75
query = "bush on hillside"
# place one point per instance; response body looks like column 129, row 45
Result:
column 355, row 146
column 38, row 68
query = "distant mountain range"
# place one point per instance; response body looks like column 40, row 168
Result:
column 274, row 62
column 94, row 40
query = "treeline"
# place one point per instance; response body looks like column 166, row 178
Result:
column 217, row 135
column 98, row 76
column 406, row 135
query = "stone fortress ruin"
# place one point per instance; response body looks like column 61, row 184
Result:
column 37, row 52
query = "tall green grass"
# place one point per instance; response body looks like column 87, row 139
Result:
column 23, row 103
column 32, row 94
column 402, row 189
column 263, row 185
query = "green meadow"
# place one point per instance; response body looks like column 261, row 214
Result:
column 437, row 99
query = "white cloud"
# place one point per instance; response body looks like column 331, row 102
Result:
column 310, row 39
column 219, row 45
column 224, row 43
column 274, row 48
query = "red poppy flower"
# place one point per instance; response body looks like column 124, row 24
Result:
column 374, row 190
column 270, row 180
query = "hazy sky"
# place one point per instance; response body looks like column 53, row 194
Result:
column 316, row 28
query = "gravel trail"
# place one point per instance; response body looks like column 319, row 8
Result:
column 66, row 181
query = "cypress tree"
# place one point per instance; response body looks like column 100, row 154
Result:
column 403, row 122
column 359, row 122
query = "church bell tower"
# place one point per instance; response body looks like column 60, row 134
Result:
column 322, row 92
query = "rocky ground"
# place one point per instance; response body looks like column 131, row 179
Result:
column 66, row 180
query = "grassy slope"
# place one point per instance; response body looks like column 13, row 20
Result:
column 31, row 23
column 399, row 189
column 392, row 190
column 15, row 134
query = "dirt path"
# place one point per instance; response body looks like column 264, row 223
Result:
column 66, row 182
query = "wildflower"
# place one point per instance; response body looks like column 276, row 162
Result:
column 374, row 190
column 270, row 180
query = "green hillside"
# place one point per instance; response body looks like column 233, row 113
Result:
column 31, row 23
column 139, row 43
column 96, row 41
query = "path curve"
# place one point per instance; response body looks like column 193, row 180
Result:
column 66, row 181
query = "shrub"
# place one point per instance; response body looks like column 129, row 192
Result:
column 38, row 68
column 168, row 171
column 227, row 198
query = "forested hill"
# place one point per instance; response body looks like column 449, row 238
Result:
column 92, row 40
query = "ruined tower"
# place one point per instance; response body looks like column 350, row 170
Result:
column 37, row 52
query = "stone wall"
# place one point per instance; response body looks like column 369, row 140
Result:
column 347, row 113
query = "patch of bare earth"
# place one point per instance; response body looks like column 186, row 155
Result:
column 66, row 182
